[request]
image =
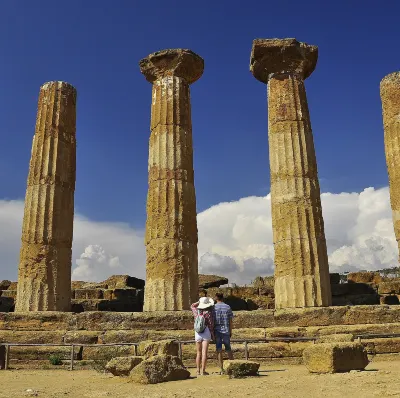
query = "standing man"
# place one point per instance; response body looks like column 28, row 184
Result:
column 223, row 328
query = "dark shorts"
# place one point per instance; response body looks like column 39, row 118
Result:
column 222, row 338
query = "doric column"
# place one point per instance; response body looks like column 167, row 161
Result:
column 171, row 226
column 44, row 278
column 390, row 96
column 301, row 261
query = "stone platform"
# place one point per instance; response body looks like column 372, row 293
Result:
column 124, row 327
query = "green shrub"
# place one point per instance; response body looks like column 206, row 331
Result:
column 55, row 359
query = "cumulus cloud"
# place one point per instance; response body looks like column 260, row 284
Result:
column 358, row 229
column 100, row 249
column 235, row 238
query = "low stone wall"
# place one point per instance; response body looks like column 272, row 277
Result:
column 108, row 327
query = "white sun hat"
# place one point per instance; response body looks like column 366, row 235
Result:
column 205, row 302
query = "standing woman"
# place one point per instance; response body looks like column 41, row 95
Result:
column 204, row 331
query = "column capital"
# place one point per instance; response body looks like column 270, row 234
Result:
column 172, row 62
column 271, row 57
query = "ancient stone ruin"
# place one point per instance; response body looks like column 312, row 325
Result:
column 301, row 260
column 390, row 96
column 171, row 226
column 44, row 277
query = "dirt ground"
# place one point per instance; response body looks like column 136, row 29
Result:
column 381, row 379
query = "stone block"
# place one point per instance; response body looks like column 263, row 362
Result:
column 363, row 314
column 312, row 316
column 43, row 353
column 136, row 336
column 149, row 349
column 94, row 285
column 385, row 345
column 254, row 319
column 340, row 301
column 37, row 321
column 207, row 281
column 82, row 337
column 334, row 338
column 77, row 284
column 159, row 369
column 88, row 294
column 122, row 366
column 157, row 320
column 32, row 337
column 335, row 357
column 107, row 353
column 237, row 368
column 389, row 287
column 364, row 277
column 124, row 294
column 236, row 303
column 124, row 281
column 13, row 286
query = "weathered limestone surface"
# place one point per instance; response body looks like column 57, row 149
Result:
column 122, row 366
column 301, row 261
column 390, row 96
column 335, row 357
column 44, row 278
column 159, row 369
column 171, row 226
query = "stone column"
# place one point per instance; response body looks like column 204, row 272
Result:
column 301, row 261
column 171, row 226
column 44, row 278
column 390, row 96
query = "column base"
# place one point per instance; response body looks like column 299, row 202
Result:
column 300, row 291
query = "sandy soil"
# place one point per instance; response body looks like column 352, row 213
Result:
column 381, row 379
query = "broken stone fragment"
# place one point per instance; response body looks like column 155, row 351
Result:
column 122, row 366
column 159, row 369
column 237, row 368
column 162, row 347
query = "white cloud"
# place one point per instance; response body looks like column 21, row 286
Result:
column 235, row 239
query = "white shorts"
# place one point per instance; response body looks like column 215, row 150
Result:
column 203, row 336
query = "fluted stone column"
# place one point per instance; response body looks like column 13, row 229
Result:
column 390, row 96
column 44, row 278
column 301, row 261
column 171, row 226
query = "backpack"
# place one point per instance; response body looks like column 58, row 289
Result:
column 199, row 323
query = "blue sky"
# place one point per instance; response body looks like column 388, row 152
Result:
column 96, row 46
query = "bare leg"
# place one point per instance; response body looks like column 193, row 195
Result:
column 198, row 356
column 220, row 360
column 204, row 356
column 230, row 354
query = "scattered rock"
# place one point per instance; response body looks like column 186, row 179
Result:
column 335, row 357
column 159, row 369
column 122, row 366
column 207, row 281
column 238, row 368
column 162, row 347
